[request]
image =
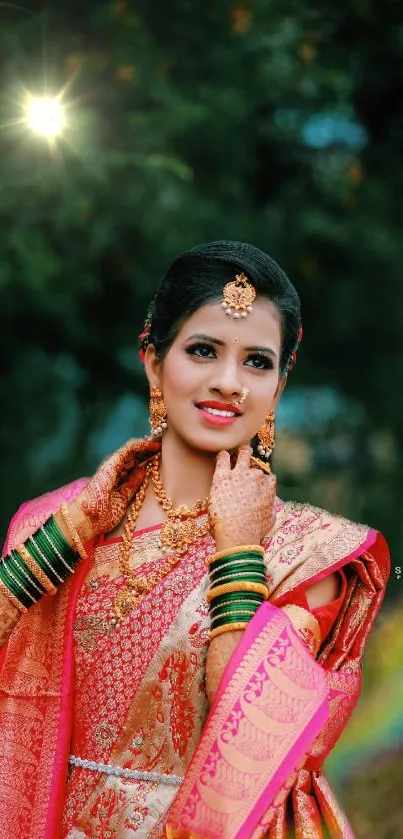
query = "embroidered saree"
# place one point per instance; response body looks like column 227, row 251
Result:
column 132, row 695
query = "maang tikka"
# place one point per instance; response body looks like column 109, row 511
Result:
column 238, row 295
column 158, row 412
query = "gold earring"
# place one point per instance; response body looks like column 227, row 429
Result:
column 158, row 412
column 266, row 436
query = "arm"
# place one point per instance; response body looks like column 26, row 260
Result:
column 99, row 507
column 11, row 610
column 324, row 591
column 305, row 624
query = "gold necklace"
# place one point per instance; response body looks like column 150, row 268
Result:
column 176, row 535
column 180, row 529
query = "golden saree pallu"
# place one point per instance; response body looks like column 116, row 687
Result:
column 270, row 705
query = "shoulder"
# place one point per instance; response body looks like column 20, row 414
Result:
column 34, row 512
column 308, row 543
column 303, row 519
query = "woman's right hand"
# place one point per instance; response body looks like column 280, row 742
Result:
column 103, row 502
column 242, row 501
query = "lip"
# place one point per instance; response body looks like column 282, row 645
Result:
column 212, row 419
column 220, row 406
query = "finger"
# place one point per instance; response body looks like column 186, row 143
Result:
column 243, row 459
column 223, row 463
column 133, row 481
column 128, row 457
column 116, row 458
column 128, row 453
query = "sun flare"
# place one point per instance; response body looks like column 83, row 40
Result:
column 45, row 116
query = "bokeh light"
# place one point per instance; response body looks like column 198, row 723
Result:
column 45, row 116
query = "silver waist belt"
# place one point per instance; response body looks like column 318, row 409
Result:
column 130, row 774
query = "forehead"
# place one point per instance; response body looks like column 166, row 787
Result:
column 263, row 324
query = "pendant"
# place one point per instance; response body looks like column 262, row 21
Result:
column 177, row 534
column 125, row 602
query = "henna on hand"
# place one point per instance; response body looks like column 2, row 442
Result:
column 242, row 501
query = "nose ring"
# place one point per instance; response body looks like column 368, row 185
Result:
column 241, row 399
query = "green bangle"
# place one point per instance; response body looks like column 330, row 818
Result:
column 243, row 555
column 44, row 563
column 242, row 569
column 241, row 602
column 24, row 578
column 223, row 607
column 68, row 553
column 13, row 585
column 256, row 568
column 28, row 573
column 16, row 574
column 235, row 596
column 4, row 578
column 231, row 619
column 228, row 613
column 44, row 543
column 63, row 561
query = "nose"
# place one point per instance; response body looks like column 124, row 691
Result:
column 226, row 380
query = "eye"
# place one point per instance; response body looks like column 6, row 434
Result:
column 260, row 361
column 201, row 350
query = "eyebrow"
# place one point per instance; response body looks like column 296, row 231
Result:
column 201, row 337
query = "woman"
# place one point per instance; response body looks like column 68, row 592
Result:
column 165, row 571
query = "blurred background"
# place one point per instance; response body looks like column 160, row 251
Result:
column 169, row 124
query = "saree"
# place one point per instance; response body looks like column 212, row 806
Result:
column 40, row 686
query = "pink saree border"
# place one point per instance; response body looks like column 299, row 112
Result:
column 260, row 638
column 297, row 751
column 65, row 714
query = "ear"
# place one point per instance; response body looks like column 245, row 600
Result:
column 152, row 366
column 279, row 389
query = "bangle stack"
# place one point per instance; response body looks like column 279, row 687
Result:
column 238, row 587
column 37, row 567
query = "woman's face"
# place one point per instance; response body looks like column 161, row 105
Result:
column 211, row 359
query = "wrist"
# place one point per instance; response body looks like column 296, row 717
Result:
column 238, row 586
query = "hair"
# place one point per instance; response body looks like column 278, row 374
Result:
column 198, row 276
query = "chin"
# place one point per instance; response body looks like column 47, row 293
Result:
column 222, row 443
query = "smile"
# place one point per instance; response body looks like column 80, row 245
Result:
column 214, row 416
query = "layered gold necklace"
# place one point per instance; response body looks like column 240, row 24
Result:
column 177, row 533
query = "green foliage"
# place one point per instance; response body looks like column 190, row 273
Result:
column 278, row 123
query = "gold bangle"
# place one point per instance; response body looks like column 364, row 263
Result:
column 73, row 532
column 12, row 598
column 228, row 627
column 226, row 588
column 36, row 570
column 236, row 549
